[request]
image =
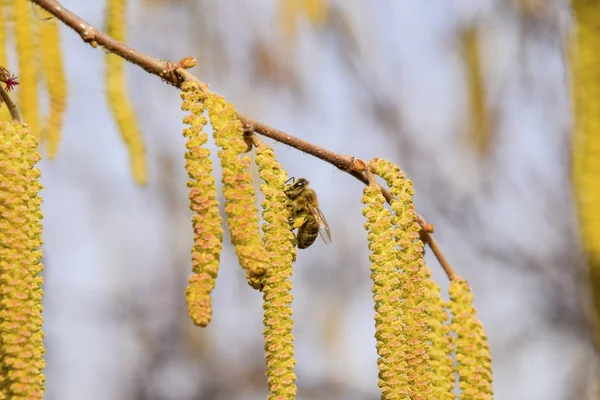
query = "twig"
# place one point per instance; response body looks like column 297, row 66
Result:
column 440, row 256
column 175, row 74
column 12, row 108
column 371, row 179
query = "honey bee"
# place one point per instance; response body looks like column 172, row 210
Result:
column 305, row 214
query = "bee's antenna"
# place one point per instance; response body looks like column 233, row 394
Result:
column 291, row 179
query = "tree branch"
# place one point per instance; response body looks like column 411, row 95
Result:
column 176, row 74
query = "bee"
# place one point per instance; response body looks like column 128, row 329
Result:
column 305, row 214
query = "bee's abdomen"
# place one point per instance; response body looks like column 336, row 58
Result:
column 308, row 232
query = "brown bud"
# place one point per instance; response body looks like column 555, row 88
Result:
column 187, row 62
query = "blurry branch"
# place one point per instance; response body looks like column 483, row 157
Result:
column 175, row 73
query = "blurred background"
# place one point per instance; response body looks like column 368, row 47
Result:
column 470, row 98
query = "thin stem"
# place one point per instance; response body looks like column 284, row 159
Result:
column 175, row 74
column 371, row 179
column 12, row 108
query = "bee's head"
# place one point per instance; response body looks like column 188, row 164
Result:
column 294, row 189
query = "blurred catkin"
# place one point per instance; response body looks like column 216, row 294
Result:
column 238, row 190
column 118, row 99
column 206, row 221
column 480, row 119
column 473, row 357
column 389, row 331
column 28, row 90
column 276, row 286
column 585, row 64
column 414, row 280
column 21, row 335
column 54, row 75
column 290, row 11
column 4, row 113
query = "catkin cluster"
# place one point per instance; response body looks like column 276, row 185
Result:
column 267, row 260
column 411, row 318
column 21, row 346
column 413, row 331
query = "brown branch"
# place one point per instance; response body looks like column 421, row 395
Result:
column 12, row 108
column 176, row 74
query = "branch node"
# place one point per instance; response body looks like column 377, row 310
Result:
column 356, row 165
column 169, row 73
column 88, row 34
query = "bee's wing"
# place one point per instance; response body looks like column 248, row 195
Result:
column 324, row 231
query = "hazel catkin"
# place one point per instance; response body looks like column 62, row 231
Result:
column 276, row 285
column 21, row 336
column 393, row 365
column 238, row 188
column 206, row 221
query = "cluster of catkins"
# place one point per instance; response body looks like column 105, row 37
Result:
column 416, row 340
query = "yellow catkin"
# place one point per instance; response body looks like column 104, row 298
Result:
column 317, row 11
column 238, row 189
column 118, row 99
column 287, row 17
column 21, row 335
column 480, row 119
column 28, row 89
column 4, row 113
column 290, row 11
column 279, row 242
column 473, row 357
column 440, row 352
column 206, row 221
column 389, row 330
column 413, row 278
column 585, row 63
column 54, row 75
